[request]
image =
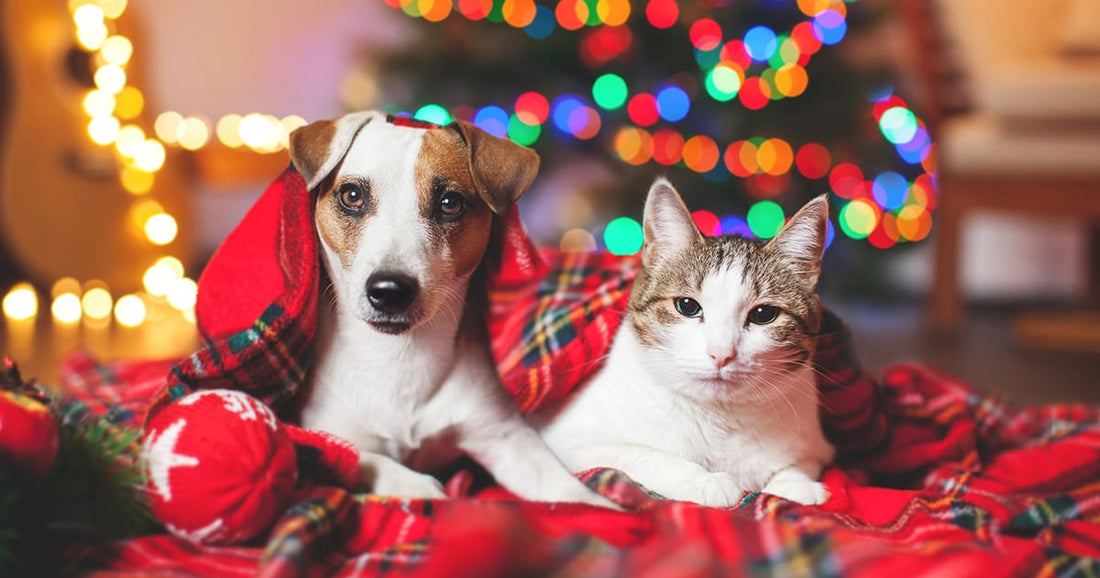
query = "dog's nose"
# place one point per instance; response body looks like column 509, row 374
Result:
column 391, row 292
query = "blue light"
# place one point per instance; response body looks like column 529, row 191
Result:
column 890, row 190
column 734, row 225
column 830, row 233
column 493, row 120
column 830, row 27
column 543, row 24
column 562, row 111
column 673, row 103
column 761, row 43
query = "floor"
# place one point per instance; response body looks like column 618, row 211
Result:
column 985, row 353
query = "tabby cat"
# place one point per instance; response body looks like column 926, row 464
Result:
column 709, row 388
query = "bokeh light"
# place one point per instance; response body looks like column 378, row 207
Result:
column 858, row 218
column 623, row 236
column 673, row 104
column 433, row 113
column 21, row 302
column 765, row 219
column 707, row 222
column 609, row 91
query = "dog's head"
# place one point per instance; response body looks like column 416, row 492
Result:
column 403, row 211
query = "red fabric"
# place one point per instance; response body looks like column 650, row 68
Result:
column 932, row 478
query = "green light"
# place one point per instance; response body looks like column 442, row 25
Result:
column 858, row 219
column 778, row 59
column 523, row 133
column 433, row 113
column 765, row 219
column 898, row 124
column 723, row 83
column 623, row 236
column 609, row 91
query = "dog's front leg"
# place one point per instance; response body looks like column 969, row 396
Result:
column 387, row 477
column 521, row 461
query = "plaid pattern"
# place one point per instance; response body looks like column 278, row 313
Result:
column 932, row 477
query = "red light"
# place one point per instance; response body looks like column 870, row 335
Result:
column 668, row 146
column 846, row 180
column 707, row 222
column 803, row 36
column 605, row 44
column 532, row 108
column 734, row 51
column 813, row 161
column 765, row 186
column 642, row 109
column 886, row 104
column 754, row 94
column 662, row 13
column 705, row 34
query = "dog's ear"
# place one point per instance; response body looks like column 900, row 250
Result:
column 502, row 169
column 317, row 148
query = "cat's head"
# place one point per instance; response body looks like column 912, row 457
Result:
column 726, row 317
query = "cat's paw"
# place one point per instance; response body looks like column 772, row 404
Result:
column 715, row 489
column 806, row 492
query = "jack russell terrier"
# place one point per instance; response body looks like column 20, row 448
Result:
column 402, row 368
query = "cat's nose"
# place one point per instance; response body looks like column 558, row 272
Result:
column 723, row 360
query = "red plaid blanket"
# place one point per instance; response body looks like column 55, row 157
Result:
column 931, row 475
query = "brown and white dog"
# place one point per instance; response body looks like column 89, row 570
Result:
column 402, row 366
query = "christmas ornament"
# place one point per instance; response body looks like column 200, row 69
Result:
column 29, row 434
column 220, row 467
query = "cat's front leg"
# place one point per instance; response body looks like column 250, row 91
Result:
column 668, row 474
column 798, row 483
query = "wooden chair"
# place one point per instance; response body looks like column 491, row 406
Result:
column 1028, row 143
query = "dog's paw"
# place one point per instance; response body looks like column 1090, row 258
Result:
column 715, row 489
column 806, row 492
column 409, row 484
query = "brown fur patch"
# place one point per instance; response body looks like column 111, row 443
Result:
column 444, row 165
column 310, row 146
column 340, row 230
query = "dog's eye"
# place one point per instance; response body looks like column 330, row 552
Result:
column 687, row 307
column 351, row 198
column 763, row 314
column 451, row 205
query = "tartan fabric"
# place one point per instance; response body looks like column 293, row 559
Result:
column 931, row 476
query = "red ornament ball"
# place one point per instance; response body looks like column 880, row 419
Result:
column 219, row 466
column 29, row 437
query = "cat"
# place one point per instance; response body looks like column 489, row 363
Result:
column 709, row 389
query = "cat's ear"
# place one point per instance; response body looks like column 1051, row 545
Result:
column 667, row 224
column 802, row 239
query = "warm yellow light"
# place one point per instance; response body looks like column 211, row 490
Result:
column 277, row 137
column 64, row 285
column 98, row 103
column 193, row 133
column 66, row 308
column 130, row 102
column 161, row 229
column 183, row 294
column 189, row 315
column 103, row 130
column 112, row 8
column 172, row 263
column 255, row 130
column 97, row 303
column 88, row 15
column 150, row 156
column 289, row 123
column 159, row 278
column 110, row 78
column 228, row 130
column 117, row 50
column 135, row 180
column 167, row 126
column 92, row 37
column 130, row 311
column 21, row 302
column 130, row 139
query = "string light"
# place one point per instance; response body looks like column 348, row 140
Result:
column 21, row 302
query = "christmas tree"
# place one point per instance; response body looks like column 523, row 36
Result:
column 749, row 106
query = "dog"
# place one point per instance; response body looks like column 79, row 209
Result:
column 402, row 367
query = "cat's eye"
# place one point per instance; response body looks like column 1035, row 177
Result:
column 352, row 198
column 763, row 314
column 687, row 307
column 451, row 205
